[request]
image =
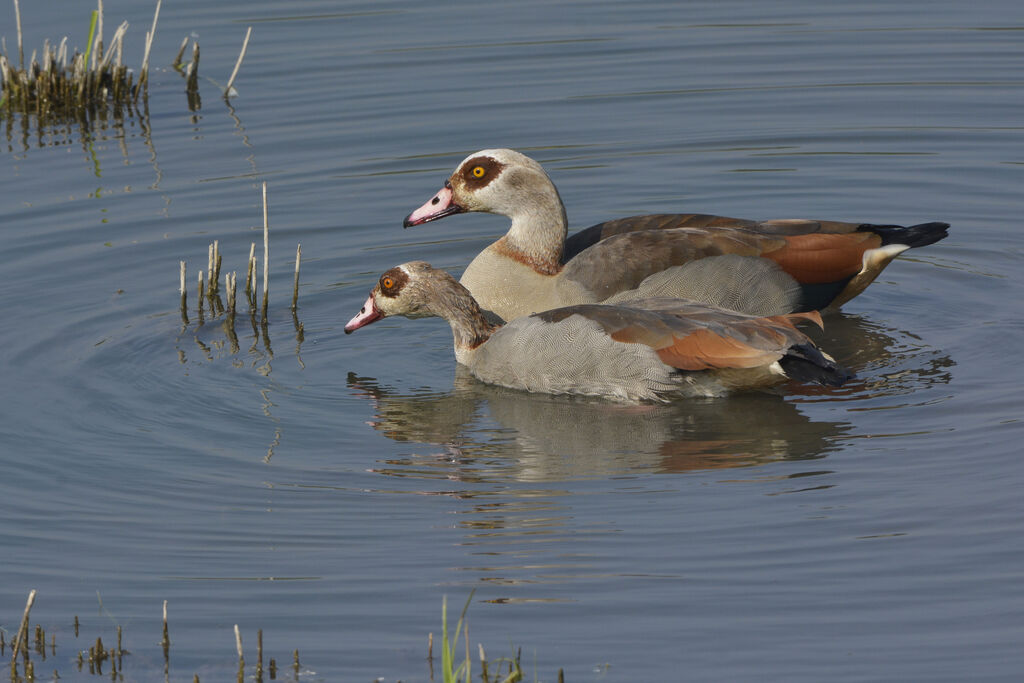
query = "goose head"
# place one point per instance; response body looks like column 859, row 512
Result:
column 418, row 290
column 399, row 291
column 500, row 181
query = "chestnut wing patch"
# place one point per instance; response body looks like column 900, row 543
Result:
column 821, row 257
column 706, row 350
column 689, row 336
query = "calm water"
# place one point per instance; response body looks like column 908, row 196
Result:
column 331, row 490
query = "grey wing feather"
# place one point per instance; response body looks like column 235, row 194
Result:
column 622, row 262
column 739, row 283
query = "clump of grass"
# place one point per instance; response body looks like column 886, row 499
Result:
column 463, row 673
column 62, row 84
column 464, row 670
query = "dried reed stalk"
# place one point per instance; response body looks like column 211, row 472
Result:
column 238, row 64
column 21, row 639
column 295, row 290
column 21, row 49
column 238, row 646
column 266, row 256
column 200, row 295
column 184, row 294
column 192, row 70
column 144, row 71
column 181, row 51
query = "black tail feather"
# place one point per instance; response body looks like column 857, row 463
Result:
column 919, row 235
column 805, row 363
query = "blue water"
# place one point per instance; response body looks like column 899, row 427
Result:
column 331, row 489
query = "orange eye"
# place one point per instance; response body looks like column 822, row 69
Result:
column 479, row 171
column 387, row 283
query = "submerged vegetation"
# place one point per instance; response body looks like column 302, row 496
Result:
column 28, row 650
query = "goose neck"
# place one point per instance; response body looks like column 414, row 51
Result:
column 470, row 327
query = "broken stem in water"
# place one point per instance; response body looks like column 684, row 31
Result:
column 21, row 50
column 176, row 64
column 238, row 64
column 144, row 72
column 266, row 256
column 200, row 296
column 295, row 291
column 230, row 280
column 22, row 637
column 238, row 645
column 249, row 269
column 184, row 293
column 215, row 268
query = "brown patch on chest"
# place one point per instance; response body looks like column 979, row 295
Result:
column 543, row 267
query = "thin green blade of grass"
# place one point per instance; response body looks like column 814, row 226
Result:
column 92, row 35
column 463, row 671
column 446, row 654
column 466, row 666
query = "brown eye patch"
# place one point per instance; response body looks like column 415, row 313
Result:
column 479, row 171
column 391, row 282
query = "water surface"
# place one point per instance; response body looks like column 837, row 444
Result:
column 331, row 489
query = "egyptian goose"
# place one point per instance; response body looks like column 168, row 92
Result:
column 535, row 268
column 645, row 350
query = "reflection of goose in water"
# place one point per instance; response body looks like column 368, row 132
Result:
column 539, row 437
column 543, row 438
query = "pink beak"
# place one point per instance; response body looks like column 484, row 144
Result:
column 366, row 315
column 439, row 206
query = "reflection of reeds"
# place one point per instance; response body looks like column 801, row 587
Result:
column 66, row 86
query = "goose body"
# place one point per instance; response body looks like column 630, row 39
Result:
column 534, row 267
column 645, row 349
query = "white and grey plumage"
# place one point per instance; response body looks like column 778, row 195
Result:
column 646, row 349
column 535, row 268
